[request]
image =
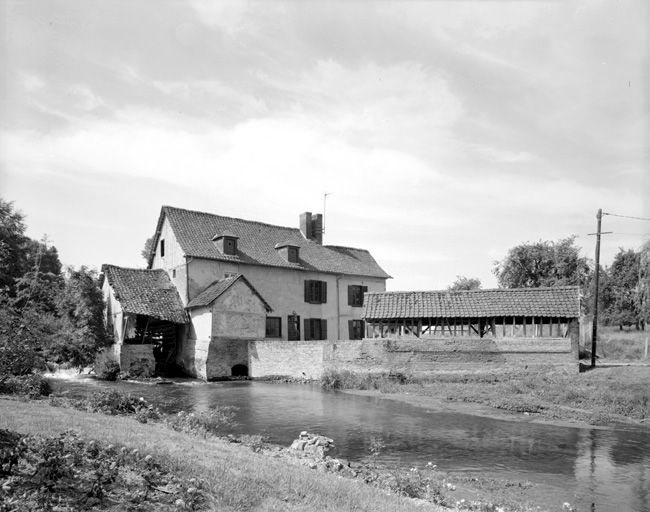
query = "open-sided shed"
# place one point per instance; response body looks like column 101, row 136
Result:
column 522, row 312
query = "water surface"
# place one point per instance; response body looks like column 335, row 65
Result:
column 596, row 469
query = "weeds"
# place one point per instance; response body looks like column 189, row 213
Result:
column 66, row 472
column 212, row 422
column 33, row 385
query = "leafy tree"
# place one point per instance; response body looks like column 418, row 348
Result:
column 643, row 293
column 465, row 283
column 624, row 277
column 12, row 241
column 81, row 308
column 146, row 250
column 543, row 263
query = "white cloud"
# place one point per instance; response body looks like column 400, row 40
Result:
column 229, row 16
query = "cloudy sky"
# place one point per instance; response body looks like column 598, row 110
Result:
column 445, row 132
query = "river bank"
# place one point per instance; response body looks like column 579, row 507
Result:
column 233, row 476
column 612, row 397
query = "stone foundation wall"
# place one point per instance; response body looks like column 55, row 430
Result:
column 296, row 359
column 310, row 359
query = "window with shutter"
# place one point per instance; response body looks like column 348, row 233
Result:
column 356, row 329
column 315, row 292
column 315, row 329
column 273, row 327
column 355, row 295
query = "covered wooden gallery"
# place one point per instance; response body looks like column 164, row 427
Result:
column 499, row 313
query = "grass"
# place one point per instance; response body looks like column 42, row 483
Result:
column 235, row 477
column 621, row 345
column 605, row 395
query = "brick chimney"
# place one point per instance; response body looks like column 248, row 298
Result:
column 311, row 227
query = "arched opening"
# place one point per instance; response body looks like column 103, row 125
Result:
column 239, row 370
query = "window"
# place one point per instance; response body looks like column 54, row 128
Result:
column 292, row 254
column 162, row 248
column 356, row 329
column 293, row 328
column 315, row 329
column 173, row 272
column 355, row 295
column 273, row 327
column 230, row 246
column 315, row 292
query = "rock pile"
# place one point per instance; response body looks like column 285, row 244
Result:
column 313, row 444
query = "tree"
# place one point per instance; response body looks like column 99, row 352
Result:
column 81, row 308
column 465, row 283
column 146, row 250
column 543, row 263
column 624, row 280
column 12, row 242
column 643, row 290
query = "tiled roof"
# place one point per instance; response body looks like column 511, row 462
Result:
column 256, row 245
column 146, row 292
column 216, row 289
column 562, row 301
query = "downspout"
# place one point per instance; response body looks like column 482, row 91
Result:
column 338, row 309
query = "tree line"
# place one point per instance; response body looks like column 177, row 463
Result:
column 47, row 313
column 624, row 289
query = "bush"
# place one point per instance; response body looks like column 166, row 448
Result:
column 115, row 402
column 106, row 368
column 212, row 422
column 32, row 386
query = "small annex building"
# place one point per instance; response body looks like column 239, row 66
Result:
column 224, row 317
column 146, row 316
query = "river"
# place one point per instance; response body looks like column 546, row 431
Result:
column 595, row 469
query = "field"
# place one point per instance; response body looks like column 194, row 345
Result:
column 622, row 345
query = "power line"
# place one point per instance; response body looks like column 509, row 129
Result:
column 626, row 216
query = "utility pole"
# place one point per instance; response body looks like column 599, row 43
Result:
column 594, row 332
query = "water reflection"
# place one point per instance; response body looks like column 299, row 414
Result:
column 597, row 469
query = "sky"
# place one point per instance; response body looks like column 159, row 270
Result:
column 444, row 132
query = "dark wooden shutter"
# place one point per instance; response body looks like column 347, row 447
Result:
column 350, row 295
column 350, row 329
column 307, row 329
column 307, row 290
column 323, row 292
column 323, row 329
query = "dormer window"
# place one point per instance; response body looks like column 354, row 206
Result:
column 288, row 251
column 226, row 242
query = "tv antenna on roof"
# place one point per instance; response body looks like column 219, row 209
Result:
column 324, row 208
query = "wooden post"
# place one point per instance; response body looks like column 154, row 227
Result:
column 524, row 327
column 645, row 353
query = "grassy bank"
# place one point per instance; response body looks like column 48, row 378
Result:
column 625, row 344
column 602, row 396
column 233, row 477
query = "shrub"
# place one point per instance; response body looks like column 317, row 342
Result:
column 106, row 368
column 212, row 422
column 33, row 385
column 115, row 402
